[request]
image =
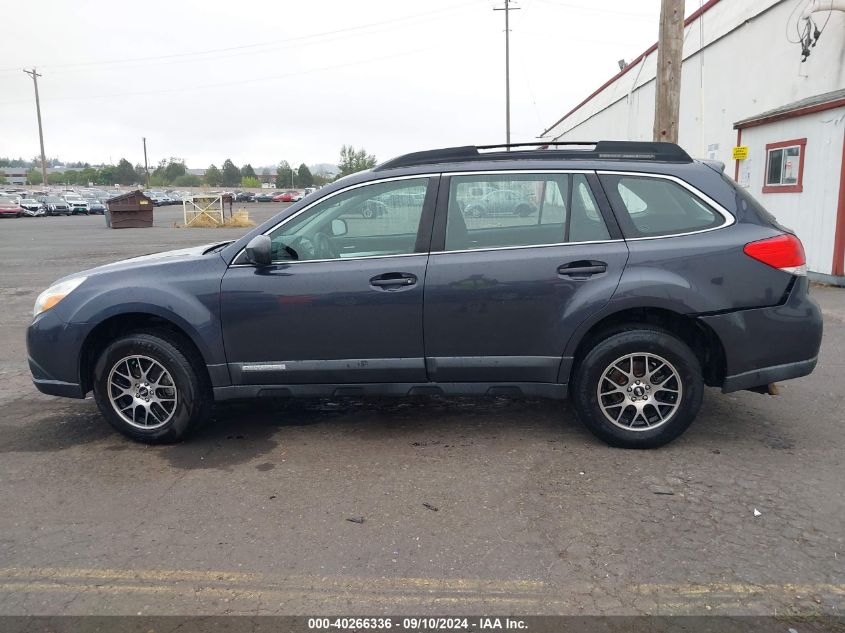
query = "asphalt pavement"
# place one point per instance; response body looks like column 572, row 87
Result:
column 458, row 505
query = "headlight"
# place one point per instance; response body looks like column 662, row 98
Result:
column 54, row 294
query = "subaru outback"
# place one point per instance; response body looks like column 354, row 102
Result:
column 633, row 278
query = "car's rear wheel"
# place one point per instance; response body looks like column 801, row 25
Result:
column 638, row 388
column 151, row 387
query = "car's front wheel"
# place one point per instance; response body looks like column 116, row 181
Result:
column 151, row 387
column 638, row 388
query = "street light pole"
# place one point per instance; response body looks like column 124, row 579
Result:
column 35, row 77
column 507, row 9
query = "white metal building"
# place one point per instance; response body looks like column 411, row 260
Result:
column 744, row 84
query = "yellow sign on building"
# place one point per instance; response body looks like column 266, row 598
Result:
column 740, row 152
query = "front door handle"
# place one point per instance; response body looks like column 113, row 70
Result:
column 582, row 269
column 389, row 281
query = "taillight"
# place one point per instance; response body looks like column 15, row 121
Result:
column 784, row 252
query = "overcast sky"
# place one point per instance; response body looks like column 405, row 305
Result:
column 263, row 81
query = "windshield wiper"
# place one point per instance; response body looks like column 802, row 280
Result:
column 217, row 247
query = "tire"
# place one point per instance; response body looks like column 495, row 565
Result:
column 658, row 415
column 523, row 210
column 184, row 394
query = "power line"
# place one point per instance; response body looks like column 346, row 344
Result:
column 595, row 9
column 269, row 45
column 224, row 84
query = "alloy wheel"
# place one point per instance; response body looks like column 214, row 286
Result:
column 142, row 392
column 640, row 392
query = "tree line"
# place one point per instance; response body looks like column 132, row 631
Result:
column 174, row 172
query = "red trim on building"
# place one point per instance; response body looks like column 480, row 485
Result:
column 689, row 20
column 839, row 235
column 789, row 114
column 798, row 187
column 736, row 165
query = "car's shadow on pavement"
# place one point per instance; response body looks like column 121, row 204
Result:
column 249, row 429
column 43, row 425
column 240, row 432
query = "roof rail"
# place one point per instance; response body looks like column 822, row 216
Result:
column 552, row 150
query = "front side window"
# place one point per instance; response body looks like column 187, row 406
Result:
column 374, row 220
column 508, row 210
column 658, row 206
column 785, row 166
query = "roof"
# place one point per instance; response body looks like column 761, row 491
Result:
column 127, row 196
column 817, row 103
column 689, row 20
column 592, row 150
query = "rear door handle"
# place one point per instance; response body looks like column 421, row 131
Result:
column 393, row 280
column 582, row 269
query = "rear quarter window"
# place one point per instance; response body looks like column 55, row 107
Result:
column 653, row 206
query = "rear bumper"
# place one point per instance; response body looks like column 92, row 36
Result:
column 768, row 375
column 765, row 345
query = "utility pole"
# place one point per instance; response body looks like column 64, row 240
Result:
column 670, row 47
column 35, row 77
column 507, row 9
column 146, row 167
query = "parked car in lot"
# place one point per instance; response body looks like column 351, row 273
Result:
column 288, row 196
column 642, row 276
column 96, row 207
column 264, row 197
column 9, row 207
column 31, row 207
column 161, row 199
column 55, row 205
column 244, row 196
column 77, row 206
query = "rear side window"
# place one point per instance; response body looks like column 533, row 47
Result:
column 508, row 210
column 658, row 206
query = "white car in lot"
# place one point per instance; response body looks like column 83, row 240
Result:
column 77, row 204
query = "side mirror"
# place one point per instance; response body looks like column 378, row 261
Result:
column 258, row 251
column 339, row 228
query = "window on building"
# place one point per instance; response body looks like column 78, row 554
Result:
column 785, row 166
column 507, row 210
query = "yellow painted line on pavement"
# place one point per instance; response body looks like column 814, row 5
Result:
column 128, row 574
column 737, row 588
column 346, row 582
column 267, row 594
column 243, row 585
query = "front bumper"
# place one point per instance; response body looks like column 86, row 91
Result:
column 766, row 345
column 53, row 348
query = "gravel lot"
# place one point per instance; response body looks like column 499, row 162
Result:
column 526, row 513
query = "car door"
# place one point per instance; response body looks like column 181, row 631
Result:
column 505, row 293
column 342, row 300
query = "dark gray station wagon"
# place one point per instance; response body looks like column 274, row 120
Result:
column 626, row 275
